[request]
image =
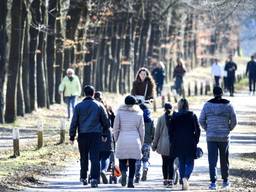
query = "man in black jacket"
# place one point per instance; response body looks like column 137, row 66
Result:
column 231, row 68
column 251, row 70
column 91, row 120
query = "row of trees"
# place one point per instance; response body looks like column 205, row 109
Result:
column 106, row 41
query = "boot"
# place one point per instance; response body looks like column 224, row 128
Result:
column 123, row 179
column 130, row 183
column 137, row 179
column 144, row 175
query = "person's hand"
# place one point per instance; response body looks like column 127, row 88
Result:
column 71, row 142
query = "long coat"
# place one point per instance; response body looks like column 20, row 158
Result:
column 128, row 131
column 184, row 133
column 161, row 142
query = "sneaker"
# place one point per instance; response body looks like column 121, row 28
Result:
column 137, row 179
column 170, row 183
column 130, row 185
column 94, row 183
column 123, row 180
column 104, row 178
column 185, row 183
column 212, row 186
column 165, row 182
column 84, row 181
column 225, row 185
column 144, row 175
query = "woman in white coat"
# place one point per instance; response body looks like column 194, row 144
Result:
column 128, row 131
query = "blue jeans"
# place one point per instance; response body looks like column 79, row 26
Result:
column 145, row 157
column 213, row 149
column 104, row 160
column 70, row 101
column 186, row 166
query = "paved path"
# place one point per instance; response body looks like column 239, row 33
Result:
column 68, row 180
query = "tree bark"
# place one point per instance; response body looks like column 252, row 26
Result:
column 41, row 67
column 33, row 31
column 50, row 49
column 18, row 13
column 3, row 44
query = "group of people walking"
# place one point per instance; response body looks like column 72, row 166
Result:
column 133, row 133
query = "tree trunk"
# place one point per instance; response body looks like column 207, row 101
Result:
column 18, row 13
column 25, row 69
column 73, row 14
column 59, row 53
column 50, row 49
column 41, row 76
column 3, row 40
column 33, row 31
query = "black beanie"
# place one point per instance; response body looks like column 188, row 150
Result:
column 130, row 100
column 167, row 106
column 217, row 91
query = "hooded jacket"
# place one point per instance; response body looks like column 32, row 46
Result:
column 218, row 118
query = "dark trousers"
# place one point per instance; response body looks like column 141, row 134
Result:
column 186, row 166
column 168, row 167
column 223, row 149
column 89, row 144
column 230, row 84
column 104, row 160
column 252, row 82
column 123, row 166
column 217, row 80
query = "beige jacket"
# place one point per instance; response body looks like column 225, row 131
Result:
column 161, row 141
column 128, row 131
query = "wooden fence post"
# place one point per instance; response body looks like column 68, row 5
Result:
column 62, row 130
column 163, row 100
column 154, row 105
column 201, row 88
column 196, row 89
column 16, row 142
column 169, row 96
column 207, row 87
column 40, row 139
column 189, row 90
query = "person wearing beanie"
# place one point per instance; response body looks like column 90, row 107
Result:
column 184, row 134
column 128, row 132
column 70, row 87
column 148, row 138
column 161, row 144
column 218, row 119
column 91, row 121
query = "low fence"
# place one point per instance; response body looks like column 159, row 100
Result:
column 40, row 136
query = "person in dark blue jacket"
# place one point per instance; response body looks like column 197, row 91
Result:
column 251, row 71
column 230, row 68
column 184, row 133
column 91, row 121
column 159, row 75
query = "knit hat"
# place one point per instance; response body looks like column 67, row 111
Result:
column 217, row 91
column 167, row 106
column 130, row 100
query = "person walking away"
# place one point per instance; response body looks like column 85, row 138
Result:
column 91, row 121
column 218, row 119
column 184, row 133
column 148, row 138
column 128, row 134
column 143, row 87
column 159, row 75
column 178, row 74
column 231, row 68
column 106, row 145
column 161, row 144
column 251, row 72
column 216, row 72
column 71, row 88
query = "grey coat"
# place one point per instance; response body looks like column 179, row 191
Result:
column 218, row 118
column 128, row 131
column 161, row 142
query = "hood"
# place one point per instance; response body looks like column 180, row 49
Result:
column 134, row 108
